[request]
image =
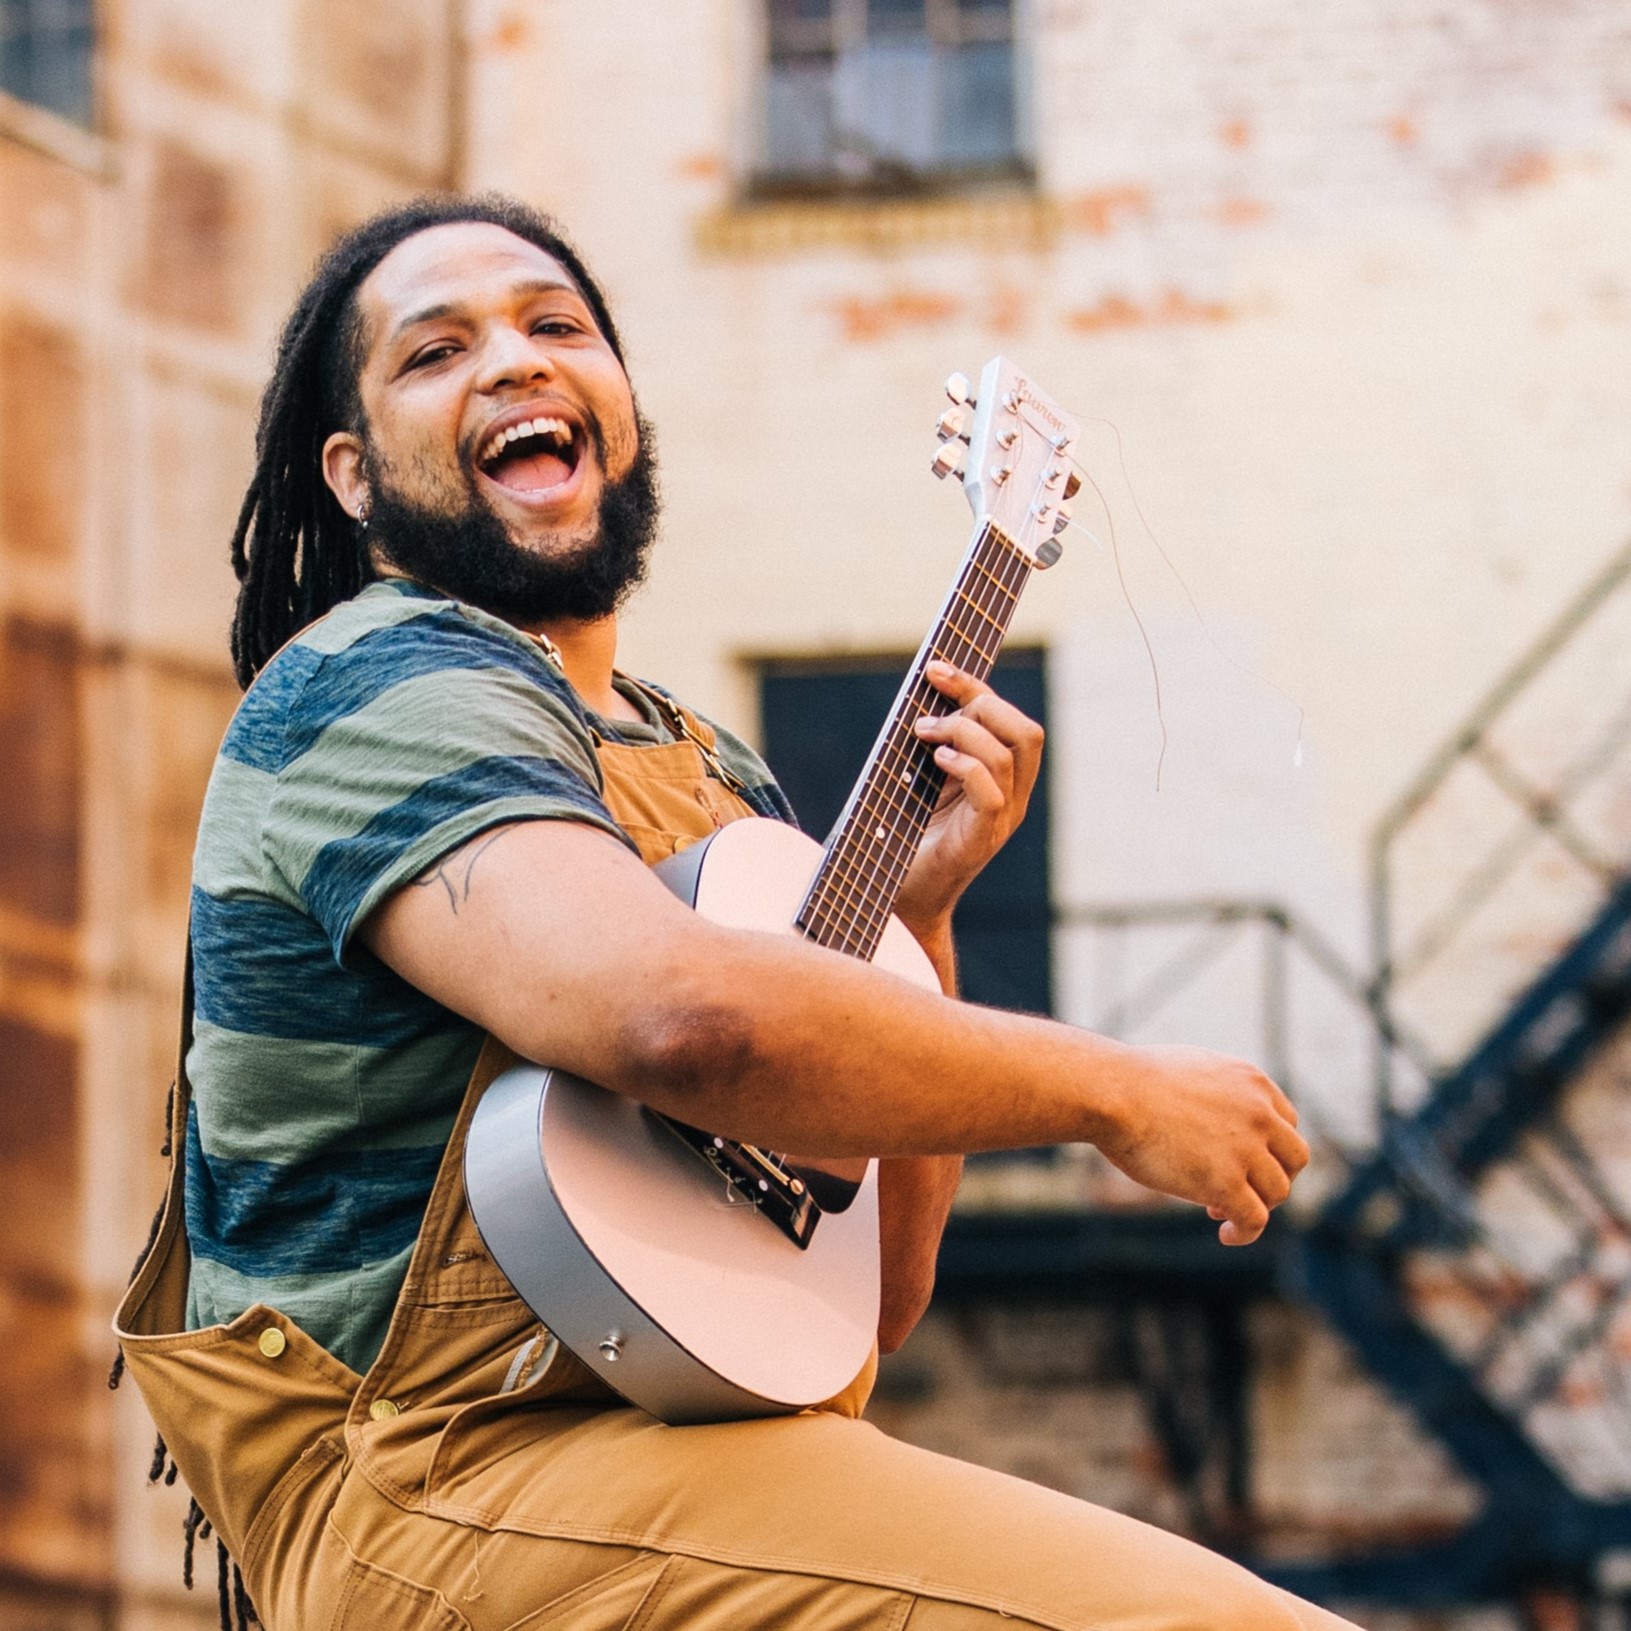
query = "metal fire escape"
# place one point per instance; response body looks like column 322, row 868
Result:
column 1467, row 1224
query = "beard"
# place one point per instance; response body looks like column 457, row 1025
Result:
column 465, row 549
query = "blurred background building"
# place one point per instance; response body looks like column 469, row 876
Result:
column 1336, row 671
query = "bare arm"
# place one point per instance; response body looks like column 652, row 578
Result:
column 558, row 940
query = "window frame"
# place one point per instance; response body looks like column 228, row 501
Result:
column 947, row 25
column 78, row 142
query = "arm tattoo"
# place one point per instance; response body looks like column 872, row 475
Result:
column 453, row 871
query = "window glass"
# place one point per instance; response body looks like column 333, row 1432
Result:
column 45, row 54
column 889, row 94
column 890, row 19
column 800, row 26
column 820, row 720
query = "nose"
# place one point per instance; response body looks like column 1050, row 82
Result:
column 510, row 356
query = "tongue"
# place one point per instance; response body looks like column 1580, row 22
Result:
column 531, row 472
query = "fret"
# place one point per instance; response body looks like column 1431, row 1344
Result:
column 849, row 900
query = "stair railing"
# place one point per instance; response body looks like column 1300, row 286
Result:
column 1566, row 791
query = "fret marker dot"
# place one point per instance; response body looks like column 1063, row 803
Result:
column 882, row 832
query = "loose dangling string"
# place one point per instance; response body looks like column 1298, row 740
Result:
column 1143, row 633
column 1182, row 582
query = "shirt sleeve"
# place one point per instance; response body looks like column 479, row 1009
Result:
column 406, row 744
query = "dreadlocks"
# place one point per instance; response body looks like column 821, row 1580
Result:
column 295, row 551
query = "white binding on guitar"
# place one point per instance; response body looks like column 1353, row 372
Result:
column 703, row 1278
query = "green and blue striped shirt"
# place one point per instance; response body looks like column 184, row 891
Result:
column 325, row 1086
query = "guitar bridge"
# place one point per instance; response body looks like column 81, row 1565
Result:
column 755, row 1177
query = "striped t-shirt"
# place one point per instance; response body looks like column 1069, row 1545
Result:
column 325, row 1086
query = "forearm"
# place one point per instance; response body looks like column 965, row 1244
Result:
column 768, row 1038
column 914, row 1200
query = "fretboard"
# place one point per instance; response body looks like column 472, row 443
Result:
column 849, row 900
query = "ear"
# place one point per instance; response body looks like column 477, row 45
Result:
column 343, row 471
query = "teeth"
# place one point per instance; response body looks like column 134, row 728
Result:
column 557, row 429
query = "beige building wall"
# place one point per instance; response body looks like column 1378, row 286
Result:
column 1342, row 296
column 144, row 269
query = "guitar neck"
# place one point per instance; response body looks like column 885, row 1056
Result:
column 853, row 892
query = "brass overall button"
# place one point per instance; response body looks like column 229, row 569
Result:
column 273, row 1342
column 383, row 1410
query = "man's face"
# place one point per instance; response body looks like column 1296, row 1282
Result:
column 501, row 457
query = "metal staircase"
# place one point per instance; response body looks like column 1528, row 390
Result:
column 1480, row 1258
column 1467, row 1225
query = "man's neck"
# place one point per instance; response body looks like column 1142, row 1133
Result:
column 589, row 654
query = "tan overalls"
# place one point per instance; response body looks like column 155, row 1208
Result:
column 478, row 1478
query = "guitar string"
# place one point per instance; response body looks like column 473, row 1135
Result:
column 1000, row 591
column 849, row 897
column 841, row 913
column 899, row 798
column 878, row 894
column 862, row 900
column 897, row 858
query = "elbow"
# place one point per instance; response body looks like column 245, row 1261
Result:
column 689, row 1049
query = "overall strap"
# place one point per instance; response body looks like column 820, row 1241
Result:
column 686, row 727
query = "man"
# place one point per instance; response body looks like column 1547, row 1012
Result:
column 428, row 825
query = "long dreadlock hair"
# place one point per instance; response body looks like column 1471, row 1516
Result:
column 295, row 551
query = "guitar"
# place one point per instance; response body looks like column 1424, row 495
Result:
column 707, row 1279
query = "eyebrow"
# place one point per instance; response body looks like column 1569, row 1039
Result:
column 452, row 308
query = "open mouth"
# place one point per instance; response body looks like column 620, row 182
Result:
column 533, row 456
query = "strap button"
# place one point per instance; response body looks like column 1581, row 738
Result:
column 383, row 1410
column 272, row 1342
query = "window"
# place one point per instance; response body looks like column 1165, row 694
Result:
column 45, row 54
column 820, row 720
column 889, row 95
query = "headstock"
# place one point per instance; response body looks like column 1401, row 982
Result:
column 1015, row 457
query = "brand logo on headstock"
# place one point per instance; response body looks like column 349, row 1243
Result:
column 1026, row 396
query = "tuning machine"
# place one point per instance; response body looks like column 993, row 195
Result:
column 960, row 391
column 952, row 424
column 949, row 459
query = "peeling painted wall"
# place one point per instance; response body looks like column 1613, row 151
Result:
column 143, row 271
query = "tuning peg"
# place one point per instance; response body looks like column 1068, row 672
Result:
column 1073, row 485
column 949, row 460
column 959, row 390
column 951, row 423
column 1048, row 551
column 1061, row 519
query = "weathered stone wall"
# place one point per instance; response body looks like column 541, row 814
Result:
column 143, row 270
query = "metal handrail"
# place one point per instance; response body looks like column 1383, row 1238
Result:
column 1286, row 930
column 1471, row 742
